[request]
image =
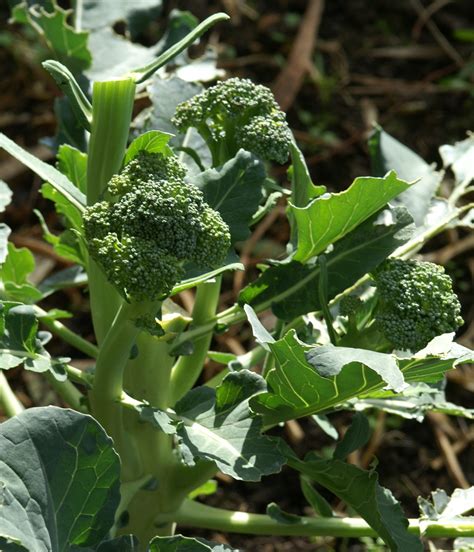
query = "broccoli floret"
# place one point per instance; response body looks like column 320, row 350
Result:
column 349, row 304
column 416, row 303
column 143, row 238
column 235, row 114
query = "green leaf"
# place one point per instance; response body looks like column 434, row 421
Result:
column 329, row 360
column 297, row 389
column 361, row 491
column 330, row 217
column 302, row 188
column 291, row 289
column 59, row 480
column 62, row 184
column 355, row 437
column 5, row 195
column 460, row 158
column 63, row 206
column 4, row 233
column 73, row 164
column 20, row 342
column 217, row 425
column 235, row 190
column 178, row 543
column 319, row 504
column 14, row 272
column 153, row 141
column 66, row 44
column 389, row 154
column 261, row 334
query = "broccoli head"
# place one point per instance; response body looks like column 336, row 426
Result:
column 152, row 227
column 416, row 303
column 235, row 114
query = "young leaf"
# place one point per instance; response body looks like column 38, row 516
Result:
column 360, row 490
column 73, row 164
column 20, row 342
column 60, row 480
column 153, row 141
column 14, row 272
column 445, row 508
column 355, row 437
column 235, row 190
column 62, row 184
column 330, row 217
column 291, row 289
column 389, row 154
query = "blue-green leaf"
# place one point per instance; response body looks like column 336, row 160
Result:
column 355, row 437
column 235, row 190
column 59, row 481
column 361, row 491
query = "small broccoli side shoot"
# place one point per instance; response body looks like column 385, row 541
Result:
column 235, row 114
column 416, row 303
column 154, row 224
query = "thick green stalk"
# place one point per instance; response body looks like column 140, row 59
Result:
column 107, row 387
column 147, row 378
column 194, row 514
column 8, row 400
column 188, row 368
column 112, row 105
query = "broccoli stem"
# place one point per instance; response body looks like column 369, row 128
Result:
column 188, row 368
column 147, row 377
column 112, row 105
column 107, row 388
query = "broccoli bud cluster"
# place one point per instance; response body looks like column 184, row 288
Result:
column 416, row 303
column 155, row 224
column 239, row 114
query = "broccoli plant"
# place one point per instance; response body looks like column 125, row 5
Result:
column 152, row 243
